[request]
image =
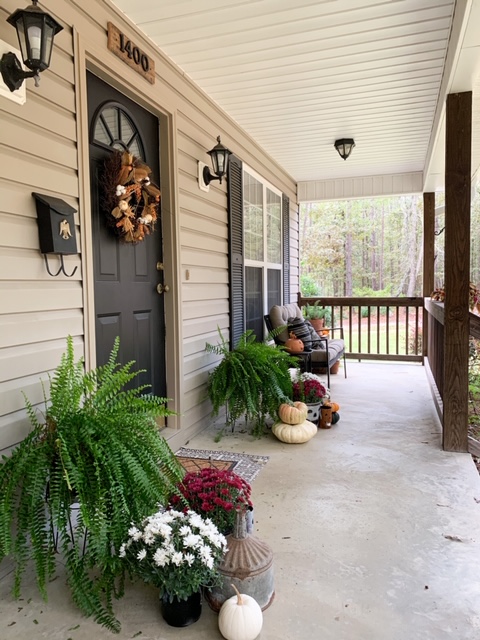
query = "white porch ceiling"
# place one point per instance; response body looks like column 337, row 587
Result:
column 297, row 76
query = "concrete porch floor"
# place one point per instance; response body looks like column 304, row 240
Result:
column 375, row 531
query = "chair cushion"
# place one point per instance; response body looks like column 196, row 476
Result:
column 335, row 352
column 279, row 315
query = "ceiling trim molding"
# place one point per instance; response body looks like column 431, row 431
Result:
column 457, row 34
column 366, row 187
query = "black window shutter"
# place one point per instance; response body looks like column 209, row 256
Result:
column 235, row 242
column 286, row 247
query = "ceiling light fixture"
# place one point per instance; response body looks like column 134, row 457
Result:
column 344, row 147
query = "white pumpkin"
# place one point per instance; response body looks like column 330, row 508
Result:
column 294, row 433
column 293, row 414
column 240, row 617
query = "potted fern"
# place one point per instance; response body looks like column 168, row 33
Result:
column 97, row 445
column 252, row 380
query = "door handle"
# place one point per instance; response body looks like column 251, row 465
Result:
column 162, row 288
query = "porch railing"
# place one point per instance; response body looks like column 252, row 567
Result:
column 377, row 328
column 435, row 363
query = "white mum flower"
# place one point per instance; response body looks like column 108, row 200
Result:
column 205, row 553
column 141, row 554
column 189, row 558
column 185, row 530
column 168, row 548
column 195, row 519
column 218, row 540
column 134, row 533
column 160, row 557
column 192, row 540
column 177, row 558
column 165, row 530
column 148, row 538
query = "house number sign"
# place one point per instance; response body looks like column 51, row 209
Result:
column 132, row 55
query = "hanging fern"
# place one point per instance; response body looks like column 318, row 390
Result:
column 99, row 446
column 252, row 380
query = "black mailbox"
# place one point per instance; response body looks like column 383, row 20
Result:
column 56, row 225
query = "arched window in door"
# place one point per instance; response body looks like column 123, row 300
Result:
column 113, row 127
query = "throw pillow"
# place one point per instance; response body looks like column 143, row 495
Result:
column 298, row 327
column 316, row 343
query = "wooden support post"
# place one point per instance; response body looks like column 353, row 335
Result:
column 428, row 259
column 457, row 270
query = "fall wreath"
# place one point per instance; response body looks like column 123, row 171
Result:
column 130, row 200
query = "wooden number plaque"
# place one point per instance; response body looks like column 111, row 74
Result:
column 128, row 51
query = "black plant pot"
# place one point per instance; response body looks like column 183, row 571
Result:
column 181, row 613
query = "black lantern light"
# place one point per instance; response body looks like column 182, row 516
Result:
column 35, row 30
column 219, row 155
column 344, row 147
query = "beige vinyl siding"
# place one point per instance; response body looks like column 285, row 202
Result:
column 39, row 151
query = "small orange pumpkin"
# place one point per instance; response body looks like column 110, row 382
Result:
column 295, row 414
column 334, row 405
column 294, row 344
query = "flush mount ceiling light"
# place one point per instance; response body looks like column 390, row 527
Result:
column 344, row 147
column 219, row 155
column 35, row 30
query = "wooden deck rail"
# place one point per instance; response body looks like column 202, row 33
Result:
column 377, row 328
column 435, row 362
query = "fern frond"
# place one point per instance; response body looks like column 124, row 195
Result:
column 99, row 445
column 252, row 380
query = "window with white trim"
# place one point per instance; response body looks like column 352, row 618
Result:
column 262, row 228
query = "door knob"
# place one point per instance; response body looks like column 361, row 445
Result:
column 162, row 288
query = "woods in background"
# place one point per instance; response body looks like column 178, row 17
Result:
column 372, row 246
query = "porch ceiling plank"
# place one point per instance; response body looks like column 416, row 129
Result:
column 298, row 76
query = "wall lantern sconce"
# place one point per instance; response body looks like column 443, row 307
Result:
column 344, row 147
column 56, row 230
column 219, row 155
column 35, row 30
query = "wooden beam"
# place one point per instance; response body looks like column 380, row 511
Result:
column 428, row 242
column 428, row 259
column 457, row 269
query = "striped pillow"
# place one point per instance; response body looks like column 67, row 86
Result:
column 298, row 327
column 316, row 343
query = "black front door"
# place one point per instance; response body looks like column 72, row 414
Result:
column 127, row 303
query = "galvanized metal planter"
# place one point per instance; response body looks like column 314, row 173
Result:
column 248, row 564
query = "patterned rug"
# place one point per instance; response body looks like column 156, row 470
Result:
column 247, row 466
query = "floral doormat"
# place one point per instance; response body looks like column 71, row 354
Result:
column 247, row 466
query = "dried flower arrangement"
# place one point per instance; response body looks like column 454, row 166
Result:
column 130, row 199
